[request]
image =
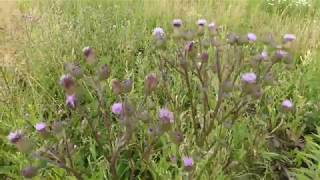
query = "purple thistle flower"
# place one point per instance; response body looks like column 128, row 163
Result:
column 288, row 38
column 15, row 137
column 280, row 54
column 71, row 101
column 202, row 22
column 212, row 26
column 158, row 33
column 117, row 108
column 287, row 105
column 166, row 116
column 40, row 127
column 251, row 37
column 187, row 162
column 264, row 55
column 249, row 78
column 87, row 51
column 66, row 81
column 177, row 23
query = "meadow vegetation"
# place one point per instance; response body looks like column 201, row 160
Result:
column 161, row 89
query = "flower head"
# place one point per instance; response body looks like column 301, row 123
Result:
column 150, row 83
column 15, row 137
column 201, row 22
column 212, row 26
column 263, row 55
column 117, row 108
column 287, row 105
column 41, row 127
column 177, row 23
column 288, row 38
column 166, row 116
column 71, row 101
column 280, row 54
column 251, row 37
column 158, row 33
column 87, row 51
column 187, row 163
column 66, row 81
column 29, row 172
column 249, row 78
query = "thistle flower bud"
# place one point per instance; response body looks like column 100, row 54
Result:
column 71, row 101
column 158, row 36
column 201, row 24
column 89, row 55
column 251, row 37
column 232, row 38
column 176, row 137
column 150, row 83
column 187, row 163
column 288, row 38
column 213, row 29
column 21, row 142
column 190, row 49
column 29, row 172
column 204, row 57
column 73, row 69
column 287, row 106
column 116, row 86
column 279, row 55
column 166, row 118
column 103, row 72
column 67, row 82
column 127, row 85
column 177, row 23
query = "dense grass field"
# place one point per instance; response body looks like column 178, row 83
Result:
column 181, row 115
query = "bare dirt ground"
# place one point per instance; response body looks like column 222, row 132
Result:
column 9, row 31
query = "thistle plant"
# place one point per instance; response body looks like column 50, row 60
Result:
column 221, row 75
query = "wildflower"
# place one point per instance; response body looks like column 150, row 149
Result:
column 263, row 55
column 15, row 137
column 288, row 38
column 166, row 116
column 212, row 28
column 177, row 23
column 29, row 172
column 150, row 83
column 73, row 69
column 71, row 101
column 251, row 37
column 104, row 72
column 190, row 49
column 89, row 55
column 117, row 108
column 249, row 78
column 187, row 163
column 279, row 55
column 287, row 105
column 66, row 81
column 201, row 22
column 41, row 127
column 158, row 33
column 116, row 86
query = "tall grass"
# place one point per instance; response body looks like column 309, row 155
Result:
column 56, row 31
